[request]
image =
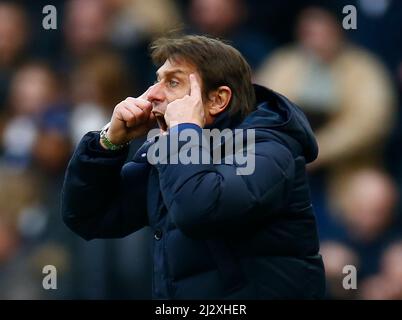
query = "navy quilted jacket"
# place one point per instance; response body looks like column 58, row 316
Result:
column 217, row 235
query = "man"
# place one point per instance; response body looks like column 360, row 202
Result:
column 218, row 234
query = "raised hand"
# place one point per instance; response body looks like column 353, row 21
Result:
column 188, row 109
column 131, row 118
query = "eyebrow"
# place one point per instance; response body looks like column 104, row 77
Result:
column 170, row 72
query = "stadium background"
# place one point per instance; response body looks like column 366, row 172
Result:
column 55, row 85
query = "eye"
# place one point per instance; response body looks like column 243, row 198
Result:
column 173, row 83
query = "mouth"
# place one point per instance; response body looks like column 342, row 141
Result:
column 160, row 119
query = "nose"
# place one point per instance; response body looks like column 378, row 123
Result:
column 156, row 93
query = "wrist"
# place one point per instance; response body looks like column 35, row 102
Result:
column 105, row 142
column 102, row 144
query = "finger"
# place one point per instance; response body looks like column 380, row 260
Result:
column 151, row 117
column 127, row 116
column 140, row 103
column 141, row 115
column 194, row 87
column 144, row 95
column 149, row 124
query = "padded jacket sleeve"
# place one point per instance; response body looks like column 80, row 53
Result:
column 102, row 197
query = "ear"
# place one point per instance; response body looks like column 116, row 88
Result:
column 219, row 100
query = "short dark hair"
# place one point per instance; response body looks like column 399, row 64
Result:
column 217, row 62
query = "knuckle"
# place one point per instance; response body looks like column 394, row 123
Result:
column 117, row 108
column 137, row 110
column 131, row 119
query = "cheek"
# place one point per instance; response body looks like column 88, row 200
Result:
column 173, row 95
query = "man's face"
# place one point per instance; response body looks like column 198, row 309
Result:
column 172, row 83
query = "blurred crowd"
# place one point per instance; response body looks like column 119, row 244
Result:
column 56, row 85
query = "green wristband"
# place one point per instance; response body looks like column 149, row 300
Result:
column 107, row 143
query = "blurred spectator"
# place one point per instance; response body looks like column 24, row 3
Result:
column 101, row 49
column 368, row 205
column 13, row 42
column 98, row 83
column 378, row 30
column 134, row 23
column 51, row 151
column 336, row 256
column 217, row 17
column 367, row 213
column 394, row 152
column 345, row 92
column 8, row 241
column 18, row 193
column 34, row 97
column 387, row 284
column 18, row 190
column 391, row 266
column 226, row 19
column 85, row 27
column 137, row 20
column 13, row 32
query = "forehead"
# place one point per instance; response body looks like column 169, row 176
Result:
column 178, row 65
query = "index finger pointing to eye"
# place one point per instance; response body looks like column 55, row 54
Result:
column 144, row 95
column 195, row 86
